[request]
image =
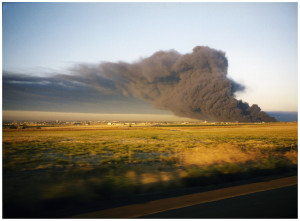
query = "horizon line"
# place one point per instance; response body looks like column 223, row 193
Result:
column 8, row 115
column 51, row 115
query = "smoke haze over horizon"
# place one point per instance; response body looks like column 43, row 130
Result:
column 70, row 63
column 193, row 85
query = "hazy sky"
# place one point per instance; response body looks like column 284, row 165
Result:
column 259, row 39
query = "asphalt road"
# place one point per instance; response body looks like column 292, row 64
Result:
column 276, row 203
column 267, row 199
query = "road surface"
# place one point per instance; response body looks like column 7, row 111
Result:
column 269, row 199
column 277, row 203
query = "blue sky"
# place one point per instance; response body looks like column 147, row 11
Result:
column 259, row 39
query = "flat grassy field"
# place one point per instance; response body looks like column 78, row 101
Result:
column 46, row 169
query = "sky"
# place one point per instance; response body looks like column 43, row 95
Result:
column 45, row 39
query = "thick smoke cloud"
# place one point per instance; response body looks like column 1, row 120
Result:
column 193, row 85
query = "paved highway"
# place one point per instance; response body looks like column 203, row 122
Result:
column 276, row 203
column 268, row 199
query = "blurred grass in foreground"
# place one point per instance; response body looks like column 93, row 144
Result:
column 47, row 169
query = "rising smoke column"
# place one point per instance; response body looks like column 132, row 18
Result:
column 192, row 85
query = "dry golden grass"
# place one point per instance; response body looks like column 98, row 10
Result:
column 87, row 163
column 292, row 156
column 222, row 153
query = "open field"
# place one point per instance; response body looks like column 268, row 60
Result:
column 46, row 169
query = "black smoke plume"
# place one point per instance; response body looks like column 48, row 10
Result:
column 193, row 85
